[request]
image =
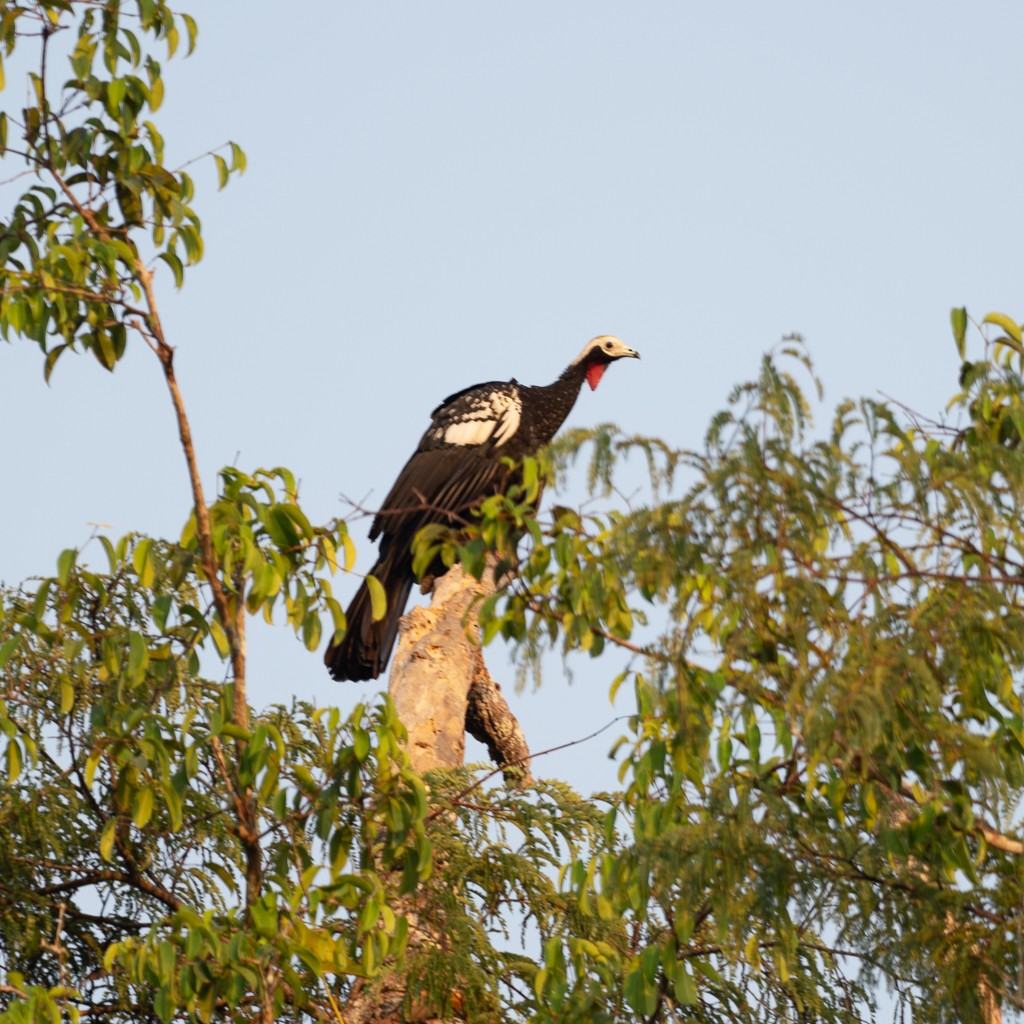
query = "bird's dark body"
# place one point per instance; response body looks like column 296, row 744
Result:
column 460, row 461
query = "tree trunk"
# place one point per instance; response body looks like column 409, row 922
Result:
column 441, row 688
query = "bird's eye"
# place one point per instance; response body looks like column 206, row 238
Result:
column 607, row 344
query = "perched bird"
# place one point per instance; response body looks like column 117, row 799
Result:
column 458, row 464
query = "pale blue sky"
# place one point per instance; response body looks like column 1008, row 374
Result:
column 448, row 192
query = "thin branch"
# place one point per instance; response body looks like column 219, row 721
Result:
column 551, row 750
column 165, row 353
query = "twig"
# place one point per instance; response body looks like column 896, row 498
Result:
column 551, row 750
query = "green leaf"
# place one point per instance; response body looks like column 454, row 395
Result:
column 134, row 46
column 219, row 637
column 110, row 956
column 311, row 631
column 361, row 744
column 350, row 551
column 171, row 259
column 51, row 360
column 142, row 560
column 142, row 810
column 530, row 479
column 473, row 557
column 138, row 657
column 65, row 564
column 111, row 553
column 14, row 761
column 222, row 170
column 116, row 89
column 191, row 32
column 639, row 993
column 958, row 317
column 685, row 989
column 282, row 528
column 238, row 161
column 1010, row 326
column 305, row 780
column 91, row 764
column 171, row 37
column 16, row 314
column 7, row 648
column 104, row 349
column 378, row 599
column 265, row 920
column 161, row 611
column 156, row 93
column 107, row 840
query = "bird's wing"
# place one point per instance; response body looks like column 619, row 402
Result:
column 439, row 485
column 488, row 414
column 458, row 462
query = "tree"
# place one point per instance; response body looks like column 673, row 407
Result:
column 166, row 851
column 825, row 761
column 819, row 780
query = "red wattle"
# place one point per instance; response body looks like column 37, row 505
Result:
column 594, row 372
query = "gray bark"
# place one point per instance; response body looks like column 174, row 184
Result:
column 441, row 689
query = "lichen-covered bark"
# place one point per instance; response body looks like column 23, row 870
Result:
column 433, row 668
column 441, row 689
column 441, row 686
column 489, row 719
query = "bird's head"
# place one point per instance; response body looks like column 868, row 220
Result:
column 598, row 353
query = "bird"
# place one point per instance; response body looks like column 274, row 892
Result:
column 462, row 459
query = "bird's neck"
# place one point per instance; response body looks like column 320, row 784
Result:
column 569, row 383
column 553, row 402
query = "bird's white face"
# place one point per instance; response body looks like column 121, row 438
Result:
column 599, row 352
column 609, row 347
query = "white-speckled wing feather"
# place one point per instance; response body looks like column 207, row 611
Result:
column 487, row 414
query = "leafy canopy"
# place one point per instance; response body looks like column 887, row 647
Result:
column 818, row 782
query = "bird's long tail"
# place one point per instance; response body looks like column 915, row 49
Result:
column 363, row 651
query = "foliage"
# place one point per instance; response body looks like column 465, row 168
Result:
column 123, row 875
column 167, row 853
column 819, row 781
column 496, row 894
column 826, row 756
column 77, row 252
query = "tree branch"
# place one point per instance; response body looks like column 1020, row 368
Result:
column 490, row 720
